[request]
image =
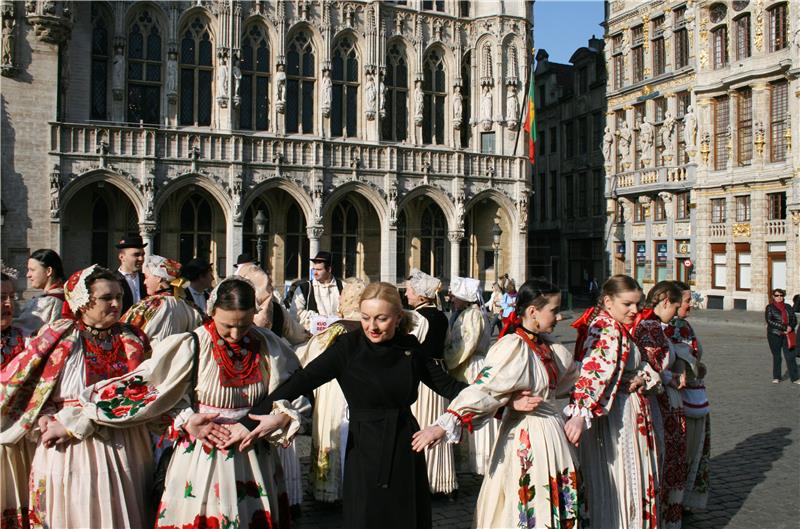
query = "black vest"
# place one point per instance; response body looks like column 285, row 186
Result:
column 308, row 293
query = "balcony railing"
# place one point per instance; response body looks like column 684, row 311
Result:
column 718, row 230
column 775, row 228
column 653, row 176
column 136, row 142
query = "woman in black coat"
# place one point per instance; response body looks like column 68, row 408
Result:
column 379, row 368
column 781, row 322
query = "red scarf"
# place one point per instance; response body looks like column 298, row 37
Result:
column 582, row 326
column 239, row 363
column 781, row 306
column 645, row 314
column 541, row 350
column 510, row 323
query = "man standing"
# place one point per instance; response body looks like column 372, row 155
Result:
column 319, row 297
column 200, row 275
column 131, row 258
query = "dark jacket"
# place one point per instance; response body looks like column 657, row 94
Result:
column 438, row 326
column 127, row 295
column 385, row 482
column 774, row 319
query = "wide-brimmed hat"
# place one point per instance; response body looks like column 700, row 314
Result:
column 322, row 257
column 134, row 241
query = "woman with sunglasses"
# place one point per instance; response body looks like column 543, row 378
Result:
column 781, row 337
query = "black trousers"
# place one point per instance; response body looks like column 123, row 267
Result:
column 778, row 344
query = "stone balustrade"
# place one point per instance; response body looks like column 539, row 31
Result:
column 655, row 176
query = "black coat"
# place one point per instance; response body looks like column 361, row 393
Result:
column 775, row 325
column 438, row 326
column 385, row 481
column 127, row 295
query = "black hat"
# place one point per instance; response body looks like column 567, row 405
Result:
column 134, row 241
column 322, row 257
column 244, row 258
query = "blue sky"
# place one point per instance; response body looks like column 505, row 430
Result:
column 563, row 26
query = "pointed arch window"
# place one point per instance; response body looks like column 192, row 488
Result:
column 466, row 106
column 197, row 70
column 196, row 228
column 434, row 89
column 254, row 88
column 100, row 225
column 100, row 63
column 249, row 237
column 395, row 124
column 300, row 78
column 433, row 230
column 297, row 248
column 144, row 70
column 344, row 112
column 344, row 239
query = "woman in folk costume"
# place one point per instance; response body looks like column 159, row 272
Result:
column 667, row 407
column 270, row 313
column 533, row 479
column 45, row 272
column 609, row 415
column 164, row 311
column 82, row 475
column 329, row 425
column 293, row 475
column 695, row 404
column 421, row 292
column 206, row 485
column 15, row 459
column 464, row 355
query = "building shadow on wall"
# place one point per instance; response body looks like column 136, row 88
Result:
column 734, row 475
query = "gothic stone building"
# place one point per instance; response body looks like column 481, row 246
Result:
column 386, row 132
column 703, row 170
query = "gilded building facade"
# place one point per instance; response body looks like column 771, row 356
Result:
column 567, row 221
column 387, row 132
column 703, row 180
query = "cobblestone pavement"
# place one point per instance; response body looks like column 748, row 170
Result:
column 755, row 436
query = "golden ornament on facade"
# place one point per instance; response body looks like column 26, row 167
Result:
column 741, row 229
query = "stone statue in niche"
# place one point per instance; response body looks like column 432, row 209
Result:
column 458, row 107
column 690, row 128
column 646, row 133
column 222, row 79
column 236, row 74
column 486, row 107
column 118, row 74
column 667, row 131
column 608, row 145
column 327, row 93
column 172, row 75
column 371, row 96
column 419, row 103
column 9, row 43
column 624, row 143
column 382, row 98
column 280, row 88
column 512, row 107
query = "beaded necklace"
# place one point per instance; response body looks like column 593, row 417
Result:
column 104, row 352
column 239, row 363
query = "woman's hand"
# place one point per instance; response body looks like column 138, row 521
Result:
column 430, row 436
column 43, row 421
column 201, row 426
column 267, row 425
column 636, row 384
column 574, row 429
column 523, row 401
column 237, row 434
column 54, row 433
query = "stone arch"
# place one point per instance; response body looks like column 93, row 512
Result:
column 372, row 195
column 512, row 42
column 479, row 55
column 270, row 30
column 357, row 40
column 411, row 56
column 186, row 17
column 316, row 40
column 438, row 196
column 292, row 189
column 200, row 180
column 449, row 60
column 124, row 183
column 502, row 200
column 163, row 20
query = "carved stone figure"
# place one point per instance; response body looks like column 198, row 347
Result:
column 172, row 75
column 118, row 74
column 371, row 96
column 624, row 143
column 8, row 42
column 667, row 131
column 280, row 88
column 486, row 107
column 382, row 100
column 512, row 107
column 690, row 128
column 458, row 107
column 55, row 192
column 222, row 80
column 318, row 204
column 646, row 132
column 419, row 102
column 327, row 93
column 236, row 74
column 608, row 144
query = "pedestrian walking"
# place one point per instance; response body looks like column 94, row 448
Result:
column 781, row 336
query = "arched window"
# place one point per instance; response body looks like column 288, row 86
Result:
column 344, row 239
column 197, row 69
column 402, row 264
column 100, row 225
column 296, row 252
column 100, row 60
column 466, row 106
column 433, row 232
column 249, row 238
column 144, row 70
column 344, row 111
column 395, row 124
column 434, row 89
column 254, row 89
column 300, row 77
column 196, row 228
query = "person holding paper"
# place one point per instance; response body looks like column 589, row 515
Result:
column 320, row 296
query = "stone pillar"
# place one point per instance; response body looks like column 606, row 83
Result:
column 519, row 255
column 147, row 230
column 314, row 235
column 455, row 252
column 389, row 252
column 233, row 246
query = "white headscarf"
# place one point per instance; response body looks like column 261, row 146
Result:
column 423, row 284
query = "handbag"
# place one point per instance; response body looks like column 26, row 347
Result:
column 160, row 476
column 791, row 339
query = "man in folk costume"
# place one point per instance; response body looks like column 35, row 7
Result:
column 131, row 258
column 465, row 355
column 164, row 311
column 319, row 297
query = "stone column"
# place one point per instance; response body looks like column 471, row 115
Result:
column 455, row 238
column 233, row 246
column 314, row 235
column 147, row 230
column 389, row 252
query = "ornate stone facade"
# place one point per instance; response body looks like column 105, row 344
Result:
column 258, row 111
column 703, row 169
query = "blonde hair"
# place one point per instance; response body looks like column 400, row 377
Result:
column 260, row 279
column 350, row 298
column 388, row 292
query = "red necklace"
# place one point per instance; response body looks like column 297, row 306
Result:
column 238, row 364
column 103, row 357
column 543, row 352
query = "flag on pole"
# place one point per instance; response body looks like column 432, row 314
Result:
column 530, row 120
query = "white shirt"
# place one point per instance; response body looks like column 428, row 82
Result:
column 132, row 279
column 199, row 298
column 326, row 296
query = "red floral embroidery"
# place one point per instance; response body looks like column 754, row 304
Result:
column 126, row 397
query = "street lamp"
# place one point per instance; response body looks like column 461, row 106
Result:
column 260, row 225
column 496, row 233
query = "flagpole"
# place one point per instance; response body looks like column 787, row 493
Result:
column 524, row 100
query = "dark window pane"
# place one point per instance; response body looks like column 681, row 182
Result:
column 427, row 133
column 440, row 120
column 352, row 69
column 154, row 46
column 261, row 103
column 99, row 77
column 187, row 216
column 292, row 105
column 386, row 123
column 246, row 106
column 352, row 105
column 152, row 104
column 293, row 63
column 135, row 71
column 336, row 111
column 402, row 75
column 246, row 62
column 203, row 215
column 427, row 82
column 154, row 72
column 134, row 103
column 135, row 43
column 308, row 107
column 308, row 63
column 337, row 68
column 263, row 58
column 186, row 247
column 187, row 49
column 205, row 51
column 440, row 80
column 388, row 79
column 402, row 116
column 204, row 98
column 187, row 97
column 100, row 39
